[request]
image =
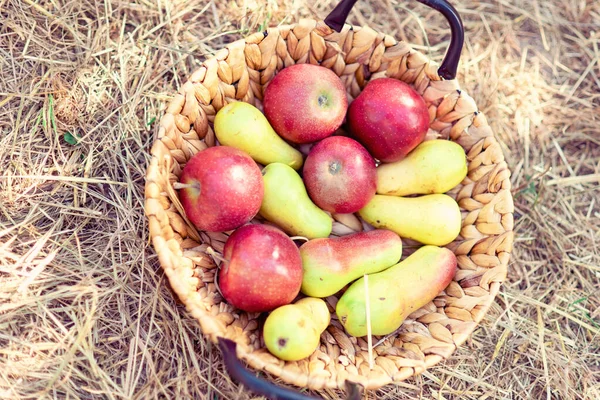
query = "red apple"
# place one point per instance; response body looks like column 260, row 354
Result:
column 305, row 103
column 221, row 189
column 262, row 269
column 340, row 175
column 389, row 118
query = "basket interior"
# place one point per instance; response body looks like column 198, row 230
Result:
column 240, row 72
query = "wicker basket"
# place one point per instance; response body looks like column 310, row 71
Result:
column 240, row 72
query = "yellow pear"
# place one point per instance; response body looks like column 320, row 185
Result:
column 286, row 204
column 434, row 166
column 431, row 219
column 396, row 292
column 243, row 126
column 292, row 332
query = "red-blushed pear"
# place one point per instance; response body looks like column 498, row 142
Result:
column 389, row 118
column 262, row 269
column 220, row 188
column 329, row 264
column 305, row 103
column 340, row 175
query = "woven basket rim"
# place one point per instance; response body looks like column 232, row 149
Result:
column 174, row 144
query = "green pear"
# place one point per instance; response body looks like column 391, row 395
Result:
column 243, row 126
column 292, row 332
column 434, row 166
column 330, row 264
column 286, row 204
column 396, row 292
column 431, row 219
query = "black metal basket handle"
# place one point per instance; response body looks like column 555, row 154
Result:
column 337, row 18
column 262, row 387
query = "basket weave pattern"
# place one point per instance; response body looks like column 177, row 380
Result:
column 240, row 72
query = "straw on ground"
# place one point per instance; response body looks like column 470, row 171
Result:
column 85, row 311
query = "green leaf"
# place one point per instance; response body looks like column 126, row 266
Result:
column 151, row 121
column 51, row 112
column 531, row 189
column 263, row 26
column 581, row 300
column 69, row 138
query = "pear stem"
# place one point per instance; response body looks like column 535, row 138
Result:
column 299, row 238
column 368, row 314
column 386, row 337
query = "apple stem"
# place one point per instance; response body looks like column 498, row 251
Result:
column 216, row 282
column 299, row 238
column 211, row 252
column 179, row 185
column 368, row 314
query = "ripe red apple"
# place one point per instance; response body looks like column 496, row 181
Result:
column 262, row 269
column 305, row 103
column 340, row 175
column 389, row 118
column 221, row 189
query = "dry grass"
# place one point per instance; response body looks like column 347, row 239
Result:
column 85, row 311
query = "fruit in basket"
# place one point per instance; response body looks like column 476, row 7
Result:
column 434, row 166
column 430, row 219
column 330, row 264
column 292, row 332
column 305, row 103
column 220, row 189
column 396, row 292
column 262, row 269
column 340, row 175
column 389, row 118
column 286, row 204
column 243, row 126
